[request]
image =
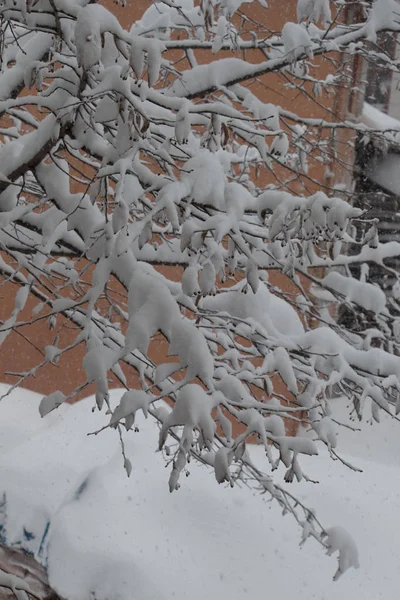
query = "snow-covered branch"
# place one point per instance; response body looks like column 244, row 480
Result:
column 125, row 152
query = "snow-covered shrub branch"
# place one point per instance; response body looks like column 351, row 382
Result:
column 123, row 151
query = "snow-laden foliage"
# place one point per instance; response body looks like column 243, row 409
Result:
column 123, row 153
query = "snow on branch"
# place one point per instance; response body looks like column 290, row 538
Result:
column 202, row 139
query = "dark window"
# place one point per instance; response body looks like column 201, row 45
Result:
column 379, row 77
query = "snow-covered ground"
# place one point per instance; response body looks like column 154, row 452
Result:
column 68, row 499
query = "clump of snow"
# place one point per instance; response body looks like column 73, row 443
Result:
column 187, row 342
column 270, row 311
column 51, row 402
column 151, row 308
column 280, row 145
column 296, row 41
column 92, row 22
column 383, row 15
column 267, row 113
column 130, row 403
column 204, row 179
column 338, row 540
column 192, row 409
column 366, row 295
column 314, row 10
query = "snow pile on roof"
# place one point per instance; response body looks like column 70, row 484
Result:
column 102, row 535
column 385, row 172
column 376, row 119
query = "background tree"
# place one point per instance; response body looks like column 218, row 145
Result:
column 125, row 153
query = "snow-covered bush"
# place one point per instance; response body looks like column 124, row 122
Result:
column 123, row 153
